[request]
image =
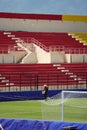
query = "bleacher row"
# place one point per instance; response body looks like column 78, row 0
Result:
column 28, row 75
column 6, row 44
column 46, row 40
column 36, row 75
column 80, row 36
column 53, row 41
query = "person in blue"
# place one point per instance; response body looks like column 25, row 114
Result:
column 45, row 91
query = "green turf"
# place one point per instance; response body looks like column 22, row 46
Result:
column 32, row 110
column 20, row 109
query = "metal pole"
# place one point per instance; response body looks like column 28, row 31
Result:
column 62, row 106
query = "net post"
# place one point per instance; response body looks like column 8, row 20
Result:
column 62, row 106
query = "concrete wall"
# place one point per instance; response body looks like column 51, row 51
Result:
column 30, row 58
column 42, row 56
column 85, row 58
column 7, row 24
column 13, row 57
column 57, row 57
column 76, row 58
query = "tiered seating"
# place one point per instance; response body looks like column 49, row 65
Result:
column 7, row 43
column 58, row 41
column 76, row 71
column 46, row 40
column 28, row 74
column 31, row 75
column 82, row 37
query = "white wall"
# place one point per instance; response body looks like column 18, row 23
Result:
column 77, row 58
column 13, row 57
column 1, row 58
column 30, row 58
column 42, row 25
column 42, row 56
column 57, row 57
column 49, row 57
column 68, row 58
column 85, row 58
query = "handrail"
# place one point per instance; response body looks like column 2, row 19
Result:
column 68, row 49
column 51, row 48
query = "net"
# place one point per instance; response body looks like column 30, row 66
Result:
column 51, row 108
column 66, row 106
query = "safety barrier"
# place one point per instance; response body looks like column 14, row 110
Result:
column 17, row 124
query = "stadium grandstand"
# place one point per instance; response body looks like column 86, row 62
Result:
column 43, row 47
column 38, row 49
